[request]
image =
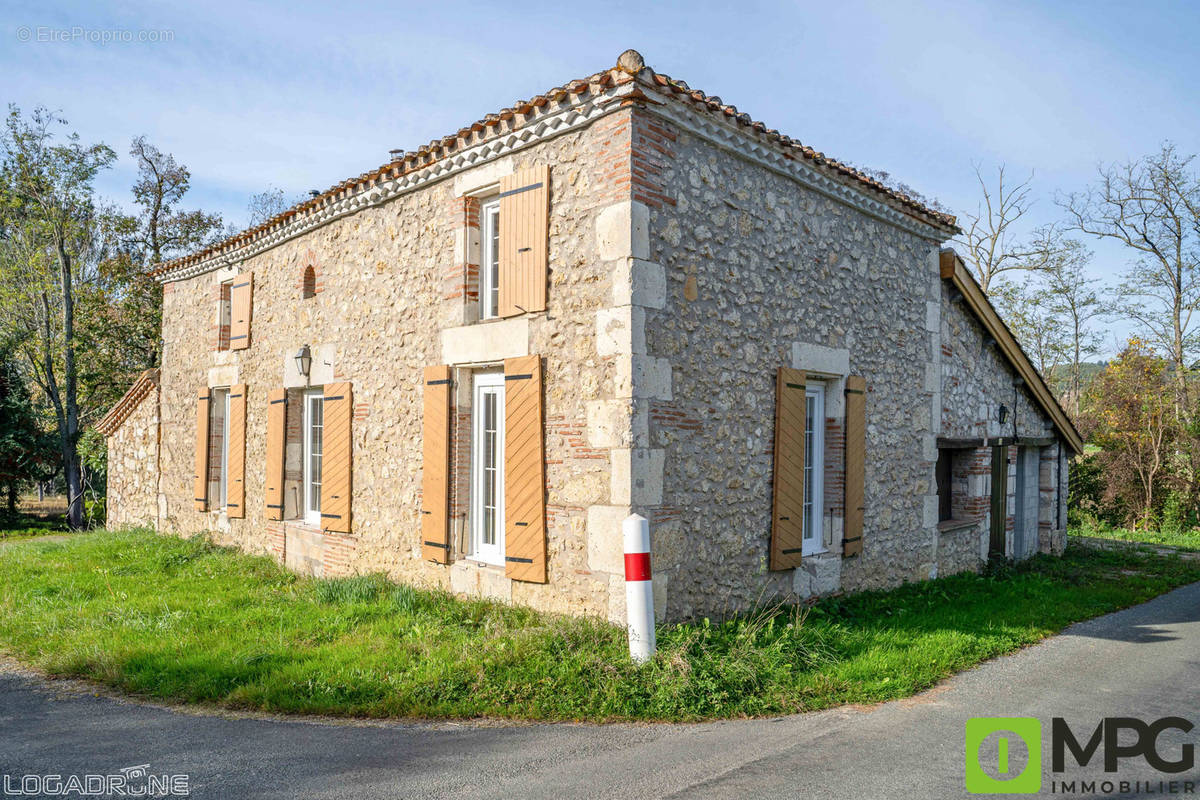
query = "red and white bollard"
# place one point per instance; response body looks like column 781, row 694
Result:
column 639, row 590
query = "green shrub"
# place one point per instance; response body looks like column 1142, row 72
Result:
column 95, row 512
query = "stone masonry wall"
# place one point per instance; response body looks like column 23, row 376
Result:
column 133, row 467
column 682, row 276
column 395, row 292
column 976, row 380
column 762, row 273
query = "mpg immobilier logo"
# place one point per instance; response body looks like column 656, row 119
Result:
column 1004, row 755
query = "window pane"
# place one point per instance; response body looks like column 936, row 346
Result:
column 809, row 459
column 316, row 409
column 494, row 299
column 489, row 468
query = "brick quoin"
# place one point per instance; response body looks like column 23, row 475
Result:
column 572, row 433
column 561, row 513
column 276, row 539
column 651, row 151
column 460, row 463
column 461, row 281
column 221, row 294
column 633, row 155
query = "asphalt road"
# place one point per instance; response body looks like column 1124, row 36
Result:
column 1143, row 662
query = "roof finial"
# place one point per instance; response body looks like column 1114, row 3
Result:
column 631, row 61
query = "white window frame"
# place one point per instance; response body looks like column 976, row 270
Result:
column 484, row 384
column 311, row 516
column 489, row 257
column 814, row 465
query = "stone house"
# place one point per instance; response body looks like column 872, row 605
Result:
column 464, row 368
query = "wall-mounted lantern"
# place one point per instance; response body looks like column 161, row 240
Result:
column 304, row 360
column 1003, row 413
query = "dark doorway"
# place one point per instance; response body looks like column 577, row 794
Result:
column 999, row 501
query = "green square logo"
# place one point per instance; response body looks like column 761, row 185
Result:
column 1007, row 729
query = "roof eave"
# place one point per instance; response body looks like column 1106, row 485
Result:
column 953, row 269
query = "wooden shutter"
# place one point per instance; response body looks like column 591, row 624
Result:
column 336, row 455
column 241, row 301
column 276, row 448
column 235, row 486
column 524, row 471
column 787, row 503
column 200, row 480
column 435, row 474
column 524, row 232
column 856, row 441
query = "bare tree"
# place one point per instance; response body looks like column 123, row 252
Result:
column 264, row 205
column 1152, row 206
column 1074, row 302
column 992, row 240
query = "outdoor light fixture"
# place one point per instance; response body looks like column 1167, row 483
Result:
column 304, row 360
column 1003, row 413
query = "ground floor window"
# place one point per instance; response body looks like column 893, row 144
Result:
column 945, row 484
column 218, row 448
column 487, row 468
column 814, row 467
column 313, row 423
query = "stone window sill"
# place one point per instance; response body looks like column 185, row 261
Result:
column 468, row 561
column 301, row 525
column 956, row 524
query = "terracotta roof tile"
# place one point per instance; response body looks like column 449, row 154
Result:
column 133, row 398
column 405, row 161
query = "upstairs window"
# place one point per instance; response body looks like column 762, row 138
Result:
column 489, row 267
column 224, row 315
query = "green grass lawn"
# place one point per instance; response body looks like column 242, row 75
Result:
column 1187, row 539
column 183, row 620
column 25, row 526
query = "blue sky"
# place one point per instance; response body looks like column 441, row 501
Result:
column 301, row 95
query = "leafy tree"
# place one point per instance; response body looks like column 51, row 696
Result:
column 26, row 454
column 54, row 235
column 1128, row 414
column 160, row 231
